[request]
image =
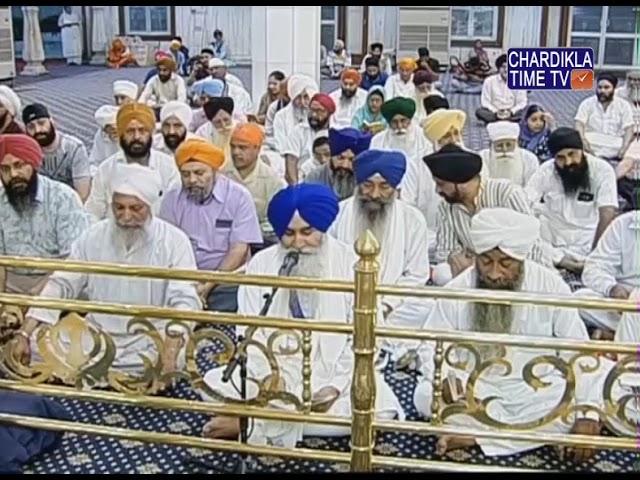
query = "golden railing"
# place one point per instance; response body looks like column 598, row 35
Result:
column 138, row 390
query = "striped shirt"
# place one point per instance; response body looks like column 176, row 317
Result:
column 454, row 220
column 69, row 162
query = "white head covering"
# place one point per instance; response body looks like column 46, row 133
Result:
column 299, row 83
column 503, row 130
column 10, row 100
column 216, row 62
column 512, row 232
column 138, row 181
column 106, row 115
column 180, row 110
column 126, row 88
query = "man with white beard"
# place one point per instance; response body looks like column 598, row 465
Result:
column 503, row 158
column 175, row 118
column 300, row 89
column 502, row 239
column 130, row 235
column 399, row 227
column 105, row 140
column 300, row 216
column 417, row 187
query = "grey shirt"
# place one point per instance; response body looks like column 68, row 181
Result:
column 67, row 163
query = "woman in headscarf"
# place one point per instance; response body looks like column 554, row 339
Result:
column 119, row 55
column 535, row 128
column 368, row 118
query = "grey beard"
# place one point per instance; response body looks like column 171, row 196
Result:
column 310, row 265
column 510, row 167
column 634, row 94
column 375, row 220
column 131, row 236
column 344, row 186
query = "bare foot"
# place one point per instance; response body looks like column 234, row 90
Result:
column 450, row 442
column 227, row 428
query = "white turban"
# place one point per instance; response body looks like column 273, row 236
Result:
column 299, row 84
column 138, row 181
column 106, row 115
column 125, row 88
column 503, row 130
column 512, row 232
column 216, row 62
column 177, row 109
column 10, row 100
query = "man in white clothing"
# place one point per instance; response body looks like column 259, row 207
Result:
column 504, row 158
column 628, row 170
column 165, row 86
column 300, row 89
column 444, row 127
column 135, row 123
column 575, row 198
column 132, row 235
column 348, row 98
column 175, row 118
column 105, row 140
column 401, row 84
column 233, row 87
column 218, row 69
column 124, row 91
column 502, row 239
column 399, row 227
column 71, row 34
column 424, row 82
column 300, row 216
column 498, row 101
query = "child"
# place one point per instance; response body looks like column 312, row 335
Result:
column 535, row 127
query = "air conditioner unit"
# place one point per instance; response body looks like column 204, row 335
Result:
column 7, row 54
column 424, row 27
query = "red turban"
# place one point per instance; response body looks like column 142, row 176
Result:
column 326, row 101
column 22, row 146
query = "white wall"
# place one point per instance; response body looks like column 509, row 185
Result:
column 553, row 26
column 355, row 17
column 383, row 26
column 522, row 26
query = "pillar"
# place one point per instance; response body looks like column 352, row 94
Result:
column 32, row 48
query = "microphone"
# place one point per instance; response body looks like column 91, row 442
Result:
column 290, row 261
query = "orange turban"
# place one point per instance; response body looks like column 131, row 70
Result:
column 250, row 133
column 168, row 62
column 407, row 63
column 135, row 111
column 351, row 74
column 199, row 150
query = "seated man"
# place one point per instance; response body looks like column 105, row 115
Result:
column 105, row 140
column 165, row 86
column 203, row 91
column 575, row 198
column 612, row 270
column 300, row 89
column 502, row 240
column 401, row 84
column 348, row 98
column 498, row 101
column 250, row 171
column 132, row 236
column 504, row 158
column 220, row 125
column 135, row 123
column 337, row 173
column 216, row 213
column 372, row 74
column 124, row 91
column 10, row 108
column 445, row 127
column 65, row 156
column 300, row 216
column 39, row 217
column 233, row 87
column 628, row 170
column 605, row 122
column 435, row 102
column 456, row 173
column 175, row 118
column 424, row 82
column 338, row 59
column 376, row 51
column 399, row 227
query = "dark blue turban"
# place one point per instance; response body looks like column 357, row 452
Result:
column 391, row 164
column 348, row 139
column 316, row 204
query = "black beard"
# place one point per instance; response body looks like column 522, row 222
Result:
column 348, row 93
column 164, row 79
column 317, row 124
column 22, row 195
column 136, row 149
column 46, row 139
column 574, row 177
column 604, row 97
column 173, row 141
column 201, row 74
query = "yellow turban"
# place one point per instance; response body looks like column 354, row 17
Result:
column 135, row 111
column 407, row 63
column 199, row 150
column 250, row 133
column 438, row 123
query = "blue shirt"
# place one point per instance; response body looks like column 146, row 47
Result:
column 368, row 82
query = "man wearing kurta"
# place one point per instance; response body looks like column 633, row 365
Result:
column 105, row 140
column 132, row 236
column 348, row 98
column 399, row 227
column 165, row 86
column 401, row 84
column 136, row 123
column 300, row 216
column 502, row 240
column 39, row 217
column 175, row 118
column 124, row 91
column 216, row 213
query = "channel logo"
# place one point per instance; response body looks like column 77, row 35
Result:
column 550, row 68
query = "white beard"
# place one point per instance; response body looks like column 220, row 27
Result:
column 405, row 142
column 130, row 237
column 510, row 167
column 378, row 225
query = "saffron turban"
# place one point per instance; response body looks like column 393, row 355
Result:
column 22, row 146
column 167, row 62
column 135, row 111
column 316, row 204
column 453, row 164
column 215, row 104
column 10, row 100
column 398, row 106
column 299, row 84
column 503, row 130
column 250, row 133
column 326, row 101
column 348, row 139
column 138, row 181
column 564, row 137
column 438, row 123
column 407, row 63
column 514, row 233
column 199, row 150
column 125, row 88
column 106, row 115
column 390, row 164
column 351, row 74
column 177, row 109
column 212, row 87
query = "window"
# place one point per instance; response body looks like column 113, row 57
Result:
column 471, row 23
column 328, row 26
column 148, row 21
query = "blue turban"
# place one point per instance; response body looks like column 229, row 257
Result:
column 348, row 139
column 317, row 205
column 212, row 87
column 391, row 164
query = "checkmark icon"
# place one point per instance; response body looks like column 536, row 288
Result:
column 581, row 79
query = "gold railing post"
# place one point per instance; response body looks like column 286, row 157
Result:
column 363, row 386
column 437, row 383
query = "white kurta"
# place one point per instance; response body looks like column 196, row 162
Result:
column 165, row 246
column 103, row 147
column 331, row 354
column 69, row 24
column 346, row 108
column 156, row 93
column 284, row 122
column 518, row 168
column 300, row 145
column 395, row 87
column 99, row 202
column 242, row 103
column 516, row 402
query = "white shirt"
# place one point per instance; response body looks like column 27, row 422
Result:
column 569, row 222
column 496, row 95
column 99, row 202
column 395, row 87
column 284, row 122
column 300, row 143
column 157, row 93
column 242, row 102
column 346, row 107
column 519, row 167
column 103, row 147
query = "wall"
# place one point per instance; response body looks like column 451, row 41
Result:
column 522, row 26
column 355, row 17
column 383, row 26
column 553, row 26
